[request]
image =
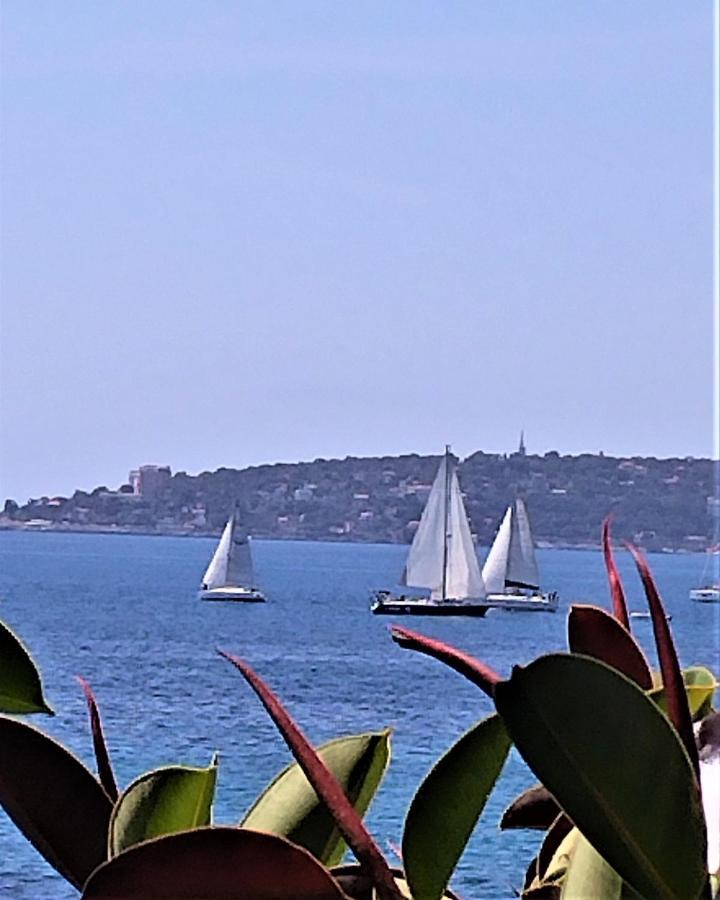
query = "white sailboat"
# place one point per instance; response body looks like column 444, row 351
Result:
column 441, row 559
column 230, row 574
column 709, row 589
column 510, row 573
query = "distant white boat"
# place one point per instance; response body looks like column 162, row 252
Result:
column 441, row 559
column 230, row 574
column 709, row 589
column 510, row 573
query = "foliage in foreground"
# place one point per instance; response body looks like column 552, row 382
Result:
column 628, row 762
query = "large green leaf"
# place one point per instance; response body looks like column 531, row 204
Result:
column 616, row 767
column 700, row 684
column 175, row 798
column 213, row 863
column 589, row 876
column 290, row 807
column 20, row 684
column 448, row 804
column 54, row 800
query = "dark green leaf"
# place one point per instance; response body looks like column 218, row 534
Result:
column 20, row 684
column 448, row 804
column 175, row 798
column 290, row 807
column 603, row 749
column 213, row 863
column 54, row 800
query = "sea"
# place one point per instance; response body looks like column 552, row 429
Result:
column 122, row 611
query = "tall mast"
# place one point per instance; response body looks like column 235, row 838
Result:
column 446, row 527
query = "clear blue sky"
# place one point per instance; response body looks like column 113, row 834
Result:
column 238, row 233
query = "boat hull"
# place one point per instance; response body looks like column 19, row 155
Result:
column 705, row 595
column 386, row 605
column 232, row 593
column 523, row 602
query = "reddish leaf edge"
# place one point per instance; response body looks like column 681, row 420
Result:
column 677, row 701
column 102, row 757
column 473, row 669
column 325, row 785
column 620, row 610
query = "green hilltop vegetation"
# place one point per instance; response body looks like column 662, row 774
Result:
column 659, row 503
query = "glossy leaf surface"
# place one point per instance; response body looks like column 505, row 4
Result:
column 534, row 808
column 448, row 804
column 54, row 800
column 602, row 748
column 700, row 685
column 589, row 876
column 596, row 633
column 212, row 863
column 175, row 798
column 20, row 684
column 290, row 807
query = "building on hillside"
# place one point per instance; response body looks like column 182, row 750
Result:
column 148, row 481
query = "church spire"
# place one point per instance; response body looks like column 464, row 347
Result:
column 521, row 447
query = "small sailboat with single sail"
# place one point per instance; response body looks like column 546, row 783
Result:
column 441, row 559
column 230, row 574
column 708, row 590
column 510, row 573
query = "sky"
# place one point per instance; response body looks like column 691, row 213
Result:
column 243, row 233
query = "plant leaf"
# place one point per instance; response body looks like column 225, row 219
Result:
column 356, row 884
column 102, row 757
column 620, row 610
column 166, row 800
column 708, row 741
column 447, row 805
column 602, row 748
column 588, row 875
column 290, row 807
column 700, row 685
column 534, row 808
column 20, row 684
column 596, row 633
column 350, row 824
column 54, row 800
column 677, row 702
column 209, row 863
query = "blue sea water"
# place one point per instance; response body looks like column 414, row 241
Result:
column 122, row 611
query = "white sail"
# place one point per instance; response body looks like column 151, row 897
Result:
column 511, row 561
column 442, row 555
column 232, row 561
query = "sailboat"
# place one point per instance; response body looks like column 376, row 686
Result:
column 441, row 559
column 709, row 589
column 510, row 572
column 230, row 573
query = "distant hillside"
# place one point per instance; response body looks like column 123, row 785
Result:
column 661, row 503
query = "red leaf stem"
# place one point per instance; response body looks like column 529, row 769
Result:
column 102, row 757
column 620, row 609
column 474, row 670
column 677, row 702
column 325, row 785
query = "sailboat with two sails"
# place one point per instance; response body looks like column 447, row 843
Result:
column 230, row 575
column 510, row 572
column 441, row 559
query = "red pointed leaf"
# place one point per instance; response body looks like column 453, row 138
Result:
column 209, row 863
column 620, row 609
column 534, row 808
column 596, row 633
column 325, row 785
column 677, row 702
column 102, row 757
column 474, row 670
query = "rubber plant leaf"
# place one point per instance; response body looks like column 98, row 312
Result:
column 588, row 875
column 602, row 748
column 447, row 805
column 290, row 807
column 596, row 633
column 208, row 863
column 617, row 594
column 20, row 684
column 700, row 684
column 534, row 808
column 166, row 800
column 102, row 757
column 356, row 884
column 54, row 800
column 349, row 823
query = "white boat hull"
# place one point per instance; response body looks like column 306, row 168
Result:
column 233, row 592
column 384, row 604
column 523, row 602
column 710, row 594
